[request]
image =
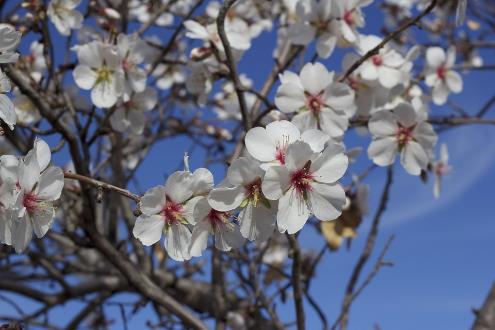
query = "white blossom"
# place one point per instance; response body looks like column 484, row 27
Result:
column 9, row 39
column 320, row 102
column 131, row 50
column 441, row 168
column 63, row 14
column 130, row 115
column 242, row 189
column 209, row 33
column 169, row 209
column 306, row 185
column 100, row 71
column 269, row 145
column 440, row 75
column 402, row 131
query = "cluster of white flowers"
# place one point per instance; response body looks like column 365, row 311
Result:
column 9, row 39
column 287, row 177
column 29, row 186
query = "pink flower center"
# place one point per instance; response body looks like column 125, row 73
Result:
column 218, row 218
column 314, row 102
column 172, row 211
column 349, row 17
column 441, row 169
column 301, row 179
column 404, row 135
column 377, row 60
column 281, row 149
column 442, row 72
column 126, row 64
column 30, row 202
column 253, row 188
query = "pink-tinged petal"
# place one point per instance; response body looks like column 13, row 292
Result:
column 435, row 57
column 148, row 229
column 276, row 182
column 326, row 200
column 260, row 145
column 414, row 158
column 153, row 201
column 383, row 151
column 177, row 242
column 292, row 212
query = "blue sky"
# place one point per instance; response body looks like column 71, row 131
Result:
column 443, row 251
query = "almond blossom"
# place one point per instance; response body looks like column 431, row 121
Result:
column 38, row 186
column 316, row 20
column 439, row 74
column 214, row 222
column 320, row 102
column 351, row 17
column 63, row 14
column 401, row 131
column 100, row 71
column 440, row 168
column 9, row 39
column 269, row 145
column 306, row 185
column 131, row 50
column 169, row 210
column 242, row 189
column 130, row 115
column 384, row 66
column 209, row 34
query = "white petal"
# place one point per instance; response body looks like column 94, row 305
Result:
column 201, row 181
column 226, row 199
column 406, row 115
column 298, row 154
column 257, row 223
column 292, row 212
column 7, row 111
column 315, row 138
column 22, row 232
column 43, row 153
column 383, row 151
column 454, row 81
column 51, row 184
column 301, row 34
column 305, row 120
column 227, row 237
column 178, row 241
column 84, row 77
column 283, row 131
column 148, row 229
column 326, row 200
column 260, row 145
column 331, row 165
column 199, row 238
column 339, row 96
column 383, row 123
column 178, row 186
column 29, row 172
column 243, row 171
column 42, row 219
column 389, row 77
column 153, row 200
column 435, row 57
column 333, row 123
column 440, row 93
column 290, row 98
column 314, row 78
column 275, row 182
column 103, row 95
column 414, row 158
